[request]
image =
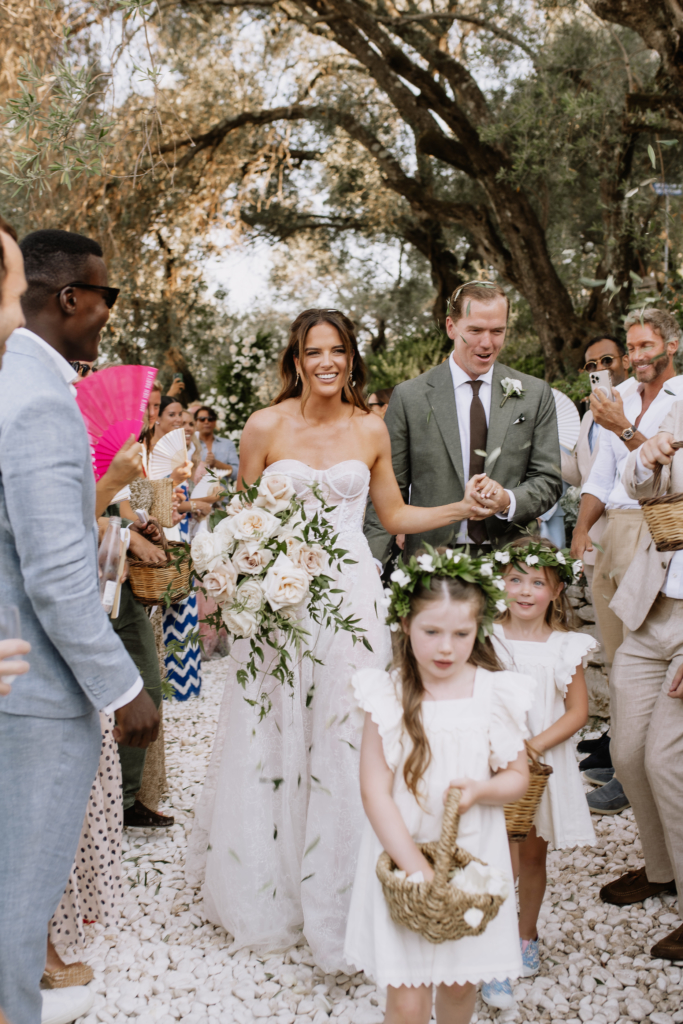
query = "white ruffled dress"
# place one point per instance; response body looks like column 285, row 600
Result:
column 563, row 817
column 473, row 738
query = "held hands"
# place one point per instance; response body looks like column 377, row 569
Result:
column 10, row 649
column 608, row 414
column 472, row 505
column 492, row 496
column 137, row 723
column 658, row 449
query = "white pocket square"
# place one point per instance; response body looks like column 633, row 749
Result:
column 520, row 419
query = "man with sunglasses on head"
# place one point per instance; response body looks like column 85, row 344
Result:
column 50, row 737
column 216, row 452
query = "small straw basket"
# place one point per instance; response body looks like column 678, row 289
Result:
column 519, row 816
column 664, row 514
column 437, row 909
column 149, row 581
column 162, row 501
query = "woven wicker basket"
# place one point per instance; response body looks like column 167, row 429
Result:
column 162, row 502
column 149, row 581
column 519, row 816
column 436, row 909
column 664, row 514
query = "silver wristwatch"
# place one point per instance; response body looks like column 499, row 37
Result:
column 628, row 434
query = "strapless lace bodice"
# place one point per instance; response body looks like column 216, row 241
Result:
column 344, row 485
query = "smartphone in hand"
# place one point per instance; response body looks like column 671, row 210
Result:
column 601, row 380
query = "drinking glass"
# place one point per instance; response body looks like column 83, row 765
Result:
column 10, row 629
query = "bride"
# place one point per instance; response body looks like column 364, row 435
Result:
column 279, row 820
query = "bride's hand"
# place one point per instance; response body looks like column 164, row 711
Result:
column 471, row 507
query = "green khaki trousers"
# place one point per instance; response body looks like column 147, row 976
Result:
column 137, row 636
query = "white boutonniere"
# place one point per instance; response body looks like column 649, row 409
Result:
column 511, row 389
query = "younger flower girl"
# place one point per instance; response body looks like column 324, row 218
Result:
column 533, row 637
column 447, row 715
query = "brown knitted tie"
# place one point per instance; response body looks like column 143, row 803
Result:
column 478, row 433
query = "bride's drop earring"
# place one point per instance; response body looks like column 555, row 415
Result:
column 297, row 379
column 351, row 380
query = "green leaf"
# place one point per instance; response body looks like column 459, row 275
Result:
column 651, row 154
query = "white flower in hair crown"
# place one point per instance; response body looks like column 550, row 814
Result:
column 483, row 571
column 536, row 555
column 512, row 388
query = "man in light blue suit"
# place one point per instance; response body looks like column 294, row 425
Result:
column 49, row 724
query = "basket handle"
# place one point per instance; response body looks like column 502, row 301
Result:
column 449, row 834
column 534, row 754
column 657, row 472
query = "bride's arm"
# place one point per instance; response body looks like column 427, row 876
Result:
column 254, row 447
column 395, row 515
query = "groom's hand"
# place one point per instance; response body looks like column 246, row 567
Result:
column 491, row 496
column 472, row 505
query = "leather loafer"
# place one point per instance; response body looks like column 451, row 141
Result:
column 598, row 776
column 633, row 887
column 608, row 799
column 139, row 816
column 670, row 947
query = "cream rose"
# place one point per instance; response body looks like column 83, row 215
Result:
column 286, row 584
column 253, row 524
column 249, row 596
column 275, row 492
column 236, row 505
column 311, row 558
column 251, row 558
column 220, row 582
column 206, row 552
column 240, row 624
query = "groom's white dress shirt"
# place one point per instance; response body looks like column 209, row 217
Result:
column 463, row 402
column 69, row 374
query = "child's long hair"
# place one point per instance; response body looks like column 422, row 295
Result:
column 559, row 614
column 483, row 656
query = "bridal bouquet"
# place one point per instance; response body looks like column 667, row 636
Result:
column 266, row 566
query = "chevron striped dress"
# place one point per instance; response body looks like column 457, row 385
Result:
column 180, row 620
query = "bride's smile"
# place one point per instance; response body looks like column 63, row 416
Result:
column 325, row 363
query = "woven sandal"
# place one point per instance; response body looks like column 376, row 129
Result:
column 68, row 975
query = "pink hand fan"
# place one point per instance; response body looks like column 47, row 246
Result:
column 113, row 403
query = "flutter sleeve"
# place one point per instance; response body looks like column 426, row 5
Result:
column 573, row 649
column 513, row 695
column 376, row 693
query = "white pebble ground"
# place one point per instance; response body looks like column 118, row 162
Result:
column 165, row 964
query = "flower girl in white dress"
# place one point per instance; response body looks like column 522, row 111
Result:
column 533, row 638
column 447, row 715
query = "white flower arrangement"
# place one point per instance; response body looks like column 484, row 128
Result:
column 512, row 388
column 266, row 567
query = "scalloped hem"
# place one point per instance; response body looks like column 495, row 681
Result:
column 453, row 978
column 566, row 843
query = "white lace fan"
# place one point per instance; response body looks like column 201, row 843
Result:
column 568, row 420
column 169, row 453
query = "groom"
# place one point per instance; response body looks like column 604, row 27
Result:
column 474, row 431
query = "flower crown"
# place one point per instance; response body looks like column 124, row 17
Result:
column 535, row 554
column 451, row 563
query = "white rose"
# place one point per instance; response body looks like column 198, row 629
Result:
column 400, row 577
column 220, row 582
column 560, row 557
column 251, row 558
column 426, row 562
column 285, row 583
column 501, row 606
column 502, row 556
column 275, row 492
column 240, row 624
column 254, row 524
column 531, row 559
column 311, row 558
column 249, row 596
column 486, row 569
column 235, row 505
column 206, row 552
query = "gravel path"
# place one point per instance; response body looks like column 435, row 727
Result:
column 165, row 964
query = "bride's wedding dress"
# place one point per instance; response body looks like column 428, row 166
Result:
column 278, row 824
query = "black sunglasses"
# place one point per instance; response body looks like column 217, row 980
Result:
column 204, row 419
column 376, row 405
column 605, row 361
column 110, row 294
column 83, row 369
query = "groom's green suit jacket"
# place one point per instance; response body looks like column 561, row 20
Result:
column 427, row 455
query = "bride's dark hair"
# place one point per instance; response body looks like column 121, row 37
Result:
column 298, row 332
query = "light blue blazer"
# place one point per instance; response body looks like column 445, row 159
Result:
column 48, row 544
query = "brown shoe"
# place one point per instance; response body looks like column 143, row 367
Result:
column 68, row 975
column 670, row 947
column 633, row 887
column 139, row 816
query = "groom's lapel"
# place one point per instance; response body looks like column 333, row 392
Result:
column 499, row 418
column 441, row 398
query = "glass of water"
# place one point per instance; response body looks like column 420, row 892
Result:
column 10, row 629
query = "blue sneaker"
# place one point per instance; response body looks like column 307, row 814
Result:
column 531, row 960
column 498, row 994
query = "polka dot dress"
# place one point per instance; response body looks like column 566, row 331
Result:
column 94, row 889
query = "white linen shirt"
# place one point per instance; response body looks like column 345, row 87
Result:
column 463, row 402
column 604, row 481
column 69, row 374
column 673, row 581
